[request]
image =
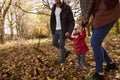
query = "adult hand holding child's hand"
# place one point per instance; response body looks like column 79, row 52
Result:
column 67, row 34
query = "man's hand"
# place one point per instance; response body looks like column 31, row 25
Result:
column 67, row 34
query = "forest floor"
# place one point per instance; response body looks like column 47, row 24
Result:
column 28, row 60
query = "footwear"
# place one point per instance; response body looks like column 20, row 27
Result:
column 64, row 56
column 97, row 76
column 85, row 67
column 111, row 66
column 77, row 65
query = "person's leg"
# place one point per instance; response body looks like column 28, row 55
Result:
column 106, row 57
column 97, row 37
column 62, row 48
column 77, row 65
column 83, row 60
column 110, row 63
column 78, row 58
column 55, row 39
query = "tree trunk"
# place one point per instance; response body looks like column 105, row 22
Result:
column 17, row 31
column 11, row 30
column 22, row 32
column 1, row 29
column 2, row 20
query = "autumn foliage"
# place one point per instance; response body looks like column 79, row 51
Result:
column 24, row 60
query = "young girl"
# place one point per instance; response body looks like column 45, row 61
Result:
column 79, row 44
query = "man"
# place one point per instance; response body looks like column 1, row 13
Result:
column 61, row 23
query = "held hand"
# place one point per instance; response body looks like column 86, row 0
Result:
column 84, row 23
column 81, row 29
column 67, row 34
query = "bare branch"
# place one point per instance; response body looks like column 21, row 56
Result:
column 6, row 9
column 3, row 4
column 39, row 13
column 46, row 4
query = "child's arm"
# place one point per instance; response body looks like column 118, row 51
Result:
column 83, row 33
column 70, row 38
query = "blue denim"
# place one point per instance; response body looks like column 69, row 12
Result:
column 59, row 43
column 100, row 53
column 81, row 57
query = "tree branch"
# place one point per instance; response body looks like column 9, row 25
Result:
column 39, row 13
column 5, row 11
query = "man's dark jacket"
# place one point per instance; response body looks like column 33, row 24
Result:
column 66, row 18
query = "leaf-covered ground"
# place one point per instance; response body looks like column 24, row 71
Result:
column 24, row 60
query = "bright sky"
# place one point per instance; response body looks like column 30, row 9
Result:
column 29, row 2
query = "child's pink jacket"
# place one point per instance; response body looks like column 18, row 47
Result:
column 79, row 43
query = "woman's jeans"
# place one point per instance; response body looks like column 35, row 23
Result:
column 100, row 53
column 59, row 43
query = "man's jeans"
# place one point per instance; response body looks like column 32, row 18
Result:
column 59, row 43
column 100, row 53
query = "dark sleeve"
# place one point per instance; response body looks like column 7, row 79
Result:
column 52, row 21
column 71, row 21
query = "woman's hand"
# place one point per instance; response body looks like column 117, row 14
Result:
column 81, row 29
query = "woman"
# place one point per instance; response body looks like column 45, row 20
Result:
column 103, row 21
